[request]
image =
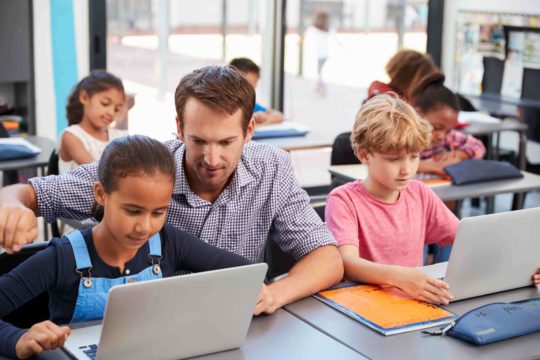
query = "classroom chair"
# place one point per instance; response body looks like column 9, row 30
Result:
column 279, row 262
column 36, row 310
column 342, row 154
column 52, row 169
column 492, row 76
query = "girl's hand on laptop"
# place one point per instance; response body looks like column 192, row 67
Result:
column 42, row 336
column 536, row 277
column 422, row 286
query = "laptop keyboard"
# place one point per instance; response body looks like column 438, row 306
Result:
column 90, row 350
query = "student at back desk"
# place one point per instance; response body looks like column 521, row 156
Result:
column 439, row 106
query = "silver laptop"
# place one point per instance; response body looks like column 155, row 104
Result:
column 175, row 317
column 492, row 253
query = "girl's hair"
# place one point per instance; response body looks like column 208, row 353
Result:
column 134, row 155
column 97, row 81
column 406, row 68
column 388, row 125
column 431, row 94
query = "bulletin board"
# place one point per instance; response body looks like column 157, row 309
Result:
column 512, row 38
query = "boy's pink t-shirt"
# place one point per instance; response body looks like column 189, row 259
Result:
column 390, row 233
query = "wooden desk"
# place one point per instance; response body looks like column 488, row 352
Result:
column 277, row 336
column 529, row 182
column 39, row 161
column 415, row 345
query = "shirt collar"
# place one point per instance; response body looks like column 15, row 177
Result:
column 241, row 177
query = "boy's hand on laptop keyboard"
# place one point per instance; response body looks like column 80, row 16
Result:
column 422, row 286
column 536, row 277
column 41, row 337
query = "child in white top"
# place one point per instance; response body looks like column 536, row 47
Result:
column 92, row 106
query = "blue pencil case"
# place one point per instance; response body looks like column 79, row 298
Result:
column 474, row 171
column 495, row 322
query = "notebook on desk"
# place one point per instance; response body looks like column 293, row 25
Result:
column 492, row 253
column 173, row 318
column 386, row 310
column 285, row 129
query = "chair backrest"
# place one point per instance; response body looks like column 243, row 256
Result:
column 493, row 75
column 37, row 309
column 52, row 165
column 342, row 152
column 531, row 117
column 529, row 86
column 52, row 169
column 278, row 261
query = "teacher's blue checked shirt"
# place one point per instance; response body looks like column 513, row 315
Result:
column 262, row 196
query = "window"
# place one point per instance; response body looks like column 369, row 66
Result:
column 195, row 33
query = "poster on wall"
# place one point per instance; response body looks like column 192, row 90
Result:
column 482, row 35
column 512, row 78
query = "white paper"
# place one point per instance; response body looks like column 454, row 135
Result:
column 476, row 116
column 512, row 79
column 436, row 271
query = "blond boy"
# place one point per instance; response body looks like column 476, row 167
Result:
column 382, row 223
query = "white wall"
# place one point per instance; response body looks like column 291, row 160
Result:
column 451, row 13
column 43, row 68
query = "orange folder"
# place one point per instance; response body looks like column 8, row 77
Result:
column 386, row 310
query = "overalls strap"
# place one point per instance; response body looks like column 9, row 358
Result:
column 80, row 251
column 155, row 245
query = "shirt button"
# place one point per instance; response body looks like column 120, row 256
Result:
column 127, row 271
column 131, row 281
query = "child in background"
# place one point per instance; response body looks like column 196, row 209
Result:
column 321, row 33
column 438, row 105
column 405, row 70
column 252, row 73
column 382, row 223
column 92, row 106
column 131, row 242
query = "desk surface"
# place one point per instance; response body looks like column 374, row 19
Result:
column 500, row 105
column 277, row 336
column 415, row 345
column 40, row 160
column 529, row 182
column 485, row 128
column 311, row 140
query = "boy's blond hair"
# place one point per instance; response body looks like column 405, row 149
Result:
column 385, row 124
